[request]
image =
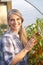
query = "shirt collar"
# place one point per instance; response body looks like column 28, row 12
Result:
column 13, row 33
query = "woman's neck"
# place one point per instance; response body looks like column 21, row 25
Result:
column 16, row 32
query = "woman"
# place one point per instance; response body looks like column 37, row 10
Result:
column 15, row 45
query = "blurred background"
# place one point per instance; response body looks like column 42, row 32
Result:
column 30, row 9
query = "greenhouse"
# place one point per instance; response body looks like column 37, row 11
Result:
column 33, row 23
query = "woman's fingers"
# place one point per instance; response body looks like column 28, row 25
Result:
column 31, row 43
column 33, row 40
column 29, row 46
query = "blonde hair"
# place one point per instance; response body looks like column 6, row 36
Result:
column 23, row 36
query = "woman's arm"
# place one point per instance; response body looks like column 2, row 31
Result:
column 19, row 56
column 8, row 52
column 31, row 43
column 9, row 56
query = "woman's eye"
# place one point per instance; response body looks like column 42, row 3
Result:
column 18, row 18
column 12, row 19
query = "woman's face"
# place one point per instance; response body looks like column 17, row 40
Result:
column 15, row 22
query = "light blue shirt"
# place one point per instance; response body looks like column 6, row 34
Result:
column 11, row 46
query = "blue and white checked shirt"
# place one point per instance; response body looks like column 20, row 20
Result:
column 11, row 46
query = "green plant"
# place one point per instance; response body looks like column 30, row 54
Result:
column 35, row 56
column 3, row 29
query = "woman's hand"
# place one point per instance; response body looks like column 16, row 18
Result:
column 31, row 43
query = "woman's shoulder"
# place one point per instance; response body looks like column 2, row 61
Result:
column 6, row 35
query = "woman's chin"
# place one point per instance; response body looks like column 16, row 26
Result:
column 15, row 29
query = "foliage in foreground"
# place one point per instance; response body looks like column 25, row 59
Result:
column 35, row 56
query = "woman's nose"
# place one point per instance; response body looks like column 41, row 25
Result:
column 15, row 22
